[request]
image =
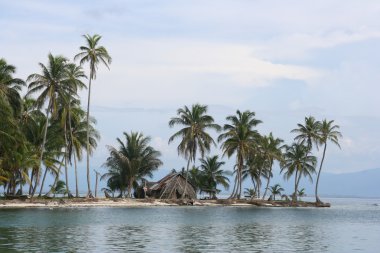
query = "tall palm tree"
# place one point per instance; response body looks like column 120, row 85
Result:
column 74, row 75
column 239, row 137
column 298, row 161
column 94, row 55
column 133, row 160
column 276, row 190
column 194, row 136
column 51, row 85
column 308, row 134
column 10, row 86
column 212, row 175
column 327, row 132
column 273, row 150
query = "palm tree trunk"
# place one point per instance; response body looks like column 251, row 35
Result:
column 74, row 154
column 96, row 184
column 297, row 184
column 233, row 190
column 187, row 175
column 270, row 172
column 294, row 197
column 259, row 182
column 317, row 200
column 240, row 183
column 43, row 182
column 31, row 181
column 89, row 193
column 76, row 175
column 241, row 161
column 42, row 148
column 129, row 194
column 66, row 171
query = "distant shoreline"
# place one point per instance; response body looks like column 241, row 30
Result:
column 104, row 202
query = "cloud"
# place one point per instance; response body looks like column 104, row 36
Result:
column 297, row 46
column 149, row 71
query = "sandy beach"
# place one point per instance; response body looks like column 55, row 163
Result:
column 104, row 202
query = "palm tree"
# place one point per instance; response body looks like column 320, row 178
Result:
column 94, row 55
column 193, row 136
column 276, row 190
column 239, row 137
column 74, row 76
column 213, row 175
column 78, row 136
column 273, row 150
column 133, row 160
column 298, row 161
column 255, row 167
column 10, row 86
column 250, row 193
column 327, row 132
column 59, row 188
column 307, row 133
column 51, row 84
column 301, row 193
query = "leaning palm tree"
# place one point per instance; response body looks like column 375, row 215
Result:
column 94, row 55
column 212, row 175
column 327, row 132
column 298, row 161
column 194, row 136
column 239, row 137
column 276, row 190
column 51, row 85
column 133, row 160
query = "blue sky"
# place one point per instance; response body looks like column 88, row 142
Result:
column 282, row 59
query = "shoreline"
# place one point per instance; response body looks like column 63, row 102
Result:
column 106, row 202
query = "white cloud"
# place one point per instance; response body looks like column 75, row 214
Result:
column 150, row 71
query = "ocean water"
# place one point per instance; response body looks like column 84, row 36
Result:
column 350, row 225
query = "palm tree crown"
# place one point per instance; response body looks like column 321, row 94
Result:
column 307, row 133
column 193, row 136
column 93, row 54
column 10, row 86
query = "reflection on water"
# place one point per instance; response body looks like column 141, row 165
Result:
column 191, row 229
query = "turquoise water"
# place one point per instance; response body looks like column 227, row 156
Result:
column 349, row 225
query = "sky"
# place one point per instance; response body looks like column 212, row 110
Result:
column 284, row 60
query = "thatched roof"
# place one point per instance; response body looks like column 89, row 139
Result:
column 172, row 186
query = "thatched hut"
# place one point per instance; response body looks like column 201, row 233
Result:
column 172, row 186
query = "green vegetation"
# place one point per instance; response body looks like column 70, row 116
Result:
column 128, row 165
column 47, row 130
column 193, row 136
column 94, row 55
